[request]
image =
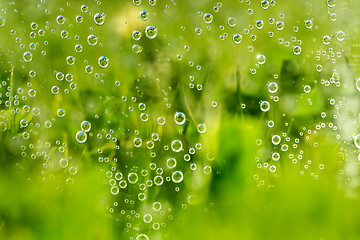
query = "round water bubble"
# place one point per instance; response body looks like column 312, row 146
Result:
column 261, row 59
column 55, row 90
column 99, row 19
column 265, row 106
column 78, row 48
column 198, row 31
column 137, row 2
column 103, row 62
column 85, row 126
column 60, row 112
column 331, row 3
column 27, row 56
column 152, row 2
column 92, row 40
column 308, row 24
column 264, row 4
column 176, row 146
column 63, row 162
column 179, row 118
column 84, row 8
column 307, row 89
column 60, row 19
column 357, row 141
column 208, row 18
column 114, row 190
column 357, row 84
column 177, row 176
column 137, row 142
column 81, row 137
column 340, row 36
column 2, row 21
column 70, row 60
column 142, row 237
column 237, row 38
column 144, row 15
column 232, row 21
column 276, row 139
column 89, row 69
column 156, row 206
column 297, row 50
column 133, row 178
column 272, row 87
column 147, row 218
column 136, row 35
column 326, row 40
column 279, row 25
column 151, row 32
column 171, row 163
column 275, row 156
column 259, row 24
column 201, row 128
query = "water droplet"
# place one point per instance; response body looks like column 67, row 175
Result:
column 232, row 21
column 237, row 38
column 151, row 31
column 176, row 146
column 27, row 56
column 297, row 50
column 279, row 25
column 179, row 118
column 331, row 3
column 357, row 141
column 340, row 36
column 201, row 128
column 81, row 136
column 171, row 163
column 265, row 106
column 85, row 126
column 70, row 60
column 276, row 139
column 133, row 178
column 264, row 4
column 99, row 18
column 177, row 176
column 208, row 18
column 63, row 162
column 273, row 87
column 261, row 59
column 326, row 40
column 144, row 15
column 137, row 142
column 308, row 24
column 136, row 35
column 92, row 40
column 142, row 236
column 103, row 62
column 259, row 24
column 60, row 19
column 2, row 21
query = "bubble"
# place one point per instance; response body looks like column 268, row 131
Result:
column 272, row 87
column 27, row 56
column 73, row 170
column 297, row 50
column 152, row 2
column 47, row 124
column 84, row 8
column 79, row 19
column 136, row 35
column 171, row 163
column 276, row 139
column 2, row 21
column 122, row 184
column 279, row 25
column 61, row 112
column 144, row 15
column 259, row 24
column 137, row 142
column 81, row 137
column 176, row 146
column 340, row 35
column 264, row 106
column 264, row 4
column 275, row 156
column 156, row 206
column 133, row 178
column 142, row 236
column 78, row 48
column 34, row 25
column 60, row 19
column 63, row 162
column 89, row 69
column 70, row 60
column 3, row 126
column 85, row 126
column 307, row 89
column 357, row 141
column 326, row 40
column 237, row 38
column 179, row 118
column 99, row 18
column 272, row 168
column 158, row 180
column 198, row 31
column 331, row 3
column 151, row 31
column 147, row 218
column 136, row 48
column 177, row 176
column 103, row 62
column 64, row 34
column 23, row 123
column 357, row 84
column 137, row 2
column 232, row 21
column 261, row 59
column 208, row 18
column 201, row 128
column 308, row 24
column 114, row 190
column 92, row 40
column 55, row 90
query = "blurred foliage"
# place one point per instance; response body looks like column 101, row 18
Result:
column 232, row 186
